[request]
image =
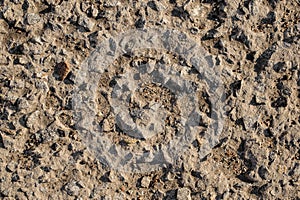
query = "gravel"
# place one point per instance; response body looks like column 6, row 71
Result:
column 253, row 47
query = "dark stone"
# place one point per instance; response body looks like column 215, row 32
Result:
column 140, row 23
column 263, row 60
column 180, row 13
column 293, row 171
column 262, row 172
column 235, row 86
column 15, row 177
column 11, row 23
column 239, row 35
column 93, row 39
column 259, row 190
column 219, row 45
column 1, row 142
column 70, row 79
column 70, row 147
column 270, row 19
column 18, row 50
column 279, row 67
column 170, row 195
column 61, row 71
column 101, row 14
column 283, row 90
column 46, row 168
column 218, row 11
column 248, row 3
column 61, row 133
column 249, row 163
column 54, row 146
column 255, row 103
column 209, row 35
column 112, row 83
column 241, row 122
column 4, row 115
column 250, row 56
column 49, row 9
column 246, row 178
column 229, row 61
column 273, row 3
column 76, row 155
column 292, row 39
column 105, row 178
column 11, row 126
column 152, row 5
column 196, row 174
column 271, row 157
column 280, row 102
column 268, row 133
column 240, row 10
column 194, row 30
column 52, row 89
column 284, row 78
column 25, row 6
column 36, row 160
column 157, row 195
column 118, row 15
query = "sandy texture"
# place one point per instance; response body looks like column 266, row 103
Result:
column 255, row 44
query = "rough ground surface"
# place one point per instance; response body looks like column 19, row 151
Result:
column 43, row 44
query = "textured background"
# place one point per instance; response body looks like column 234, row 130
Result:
column 43, row 44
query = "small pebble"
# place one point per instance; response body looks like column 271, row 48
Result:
column 86, row 23
column 12, row 166
column 145, row 182
column 106, row 126
column 33, row 18
column 72, row 189
column 183, row 194
column 22, row 103
column 61, row 70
